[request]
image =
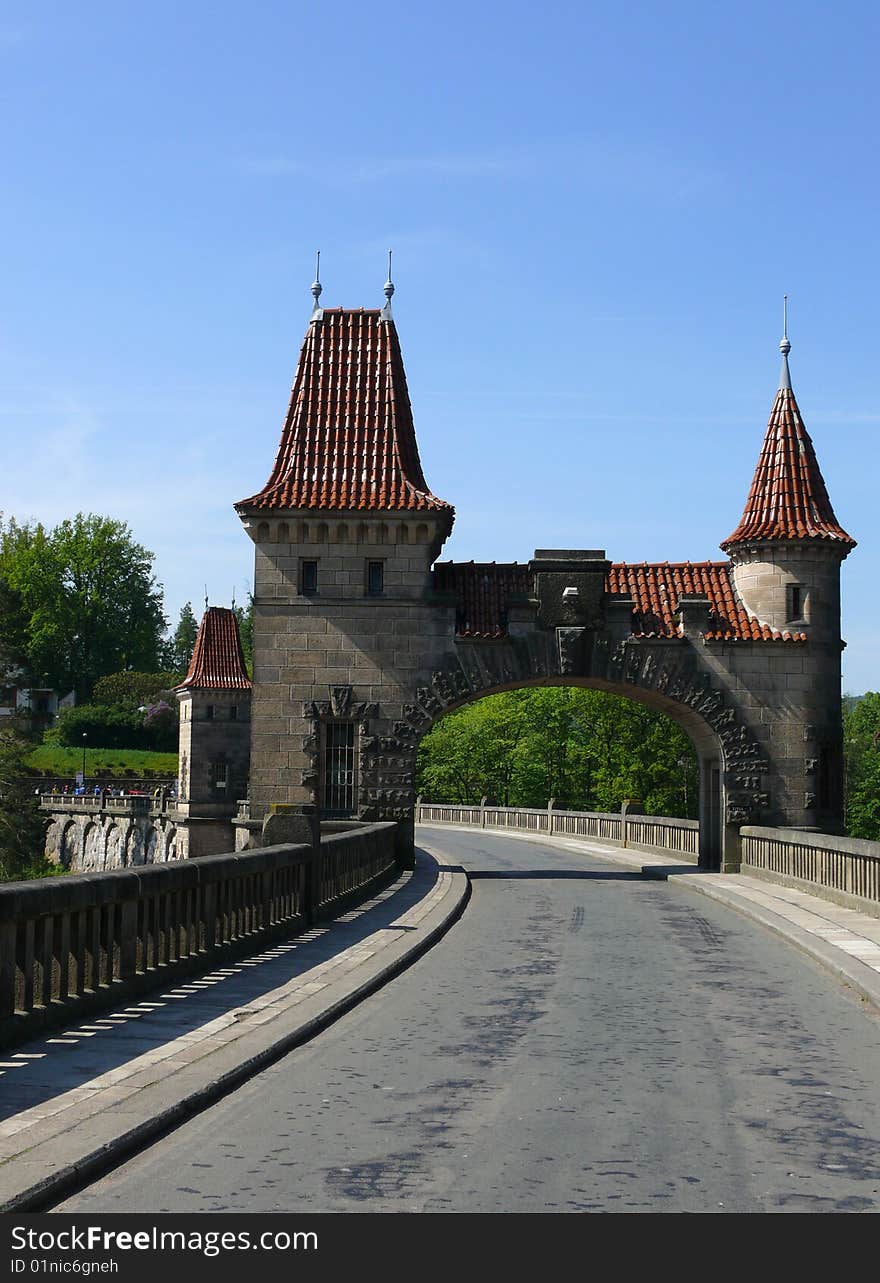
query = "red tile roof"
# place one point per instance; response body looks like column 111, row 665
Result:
column 217, row 661
column 483, row 591
column 788, row 498
column 656, row 589
column 348, row 441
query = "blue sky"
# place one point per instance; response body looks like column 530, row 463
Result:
column 595, row 210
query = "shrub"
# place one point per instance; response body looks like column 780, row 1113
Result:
column 134, row 690
column 103, row 726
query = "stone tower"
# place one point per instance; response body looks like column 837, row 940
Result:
column 346, row 532
column 787, row 552
column 214, row 737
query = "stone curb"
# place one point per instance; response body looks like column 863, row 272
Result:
column 56, row 1166
column 844, row 968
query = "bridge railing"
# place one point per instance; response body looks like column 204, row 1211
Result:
column 845, row 870
column 128, row 804
column 620, row 828
column 72, row 945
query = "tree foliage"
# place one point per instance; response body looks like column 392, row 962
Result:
column 133, row 690
column 861, row 734
column 177, row 650
column 119, row 726
column 245, row 617
column 21, row 825
column 89, row 603
column 588, row 749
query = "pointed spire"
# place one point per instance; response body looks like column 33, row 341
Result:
column 349, row 440
column 784, row 347
column 317, row 290
column 217, row 660
column 788, row 499
column 389, row 292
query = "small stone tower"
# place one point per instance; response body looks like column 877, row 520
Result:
column 786, row 553
column 214, row 741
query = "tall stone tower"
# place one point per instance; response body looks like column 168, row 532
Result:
column 346, row 531
column 214, row 738
column 787, row 552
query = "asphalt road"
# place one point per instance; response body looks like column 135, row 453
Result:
column 582, row 1039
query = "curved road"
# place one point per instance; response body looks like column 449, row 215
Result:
column 582, row 1039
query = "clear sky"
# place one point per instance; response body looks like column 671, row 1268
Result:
column 595, row 210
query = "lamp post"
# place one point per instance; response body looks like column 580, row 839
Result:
column 85, row 737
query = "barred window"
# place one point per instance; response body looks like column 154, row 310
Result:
column 219, row 775
column 339, row 792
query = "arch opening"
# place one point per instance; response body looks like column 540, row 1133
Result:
column 677, row 770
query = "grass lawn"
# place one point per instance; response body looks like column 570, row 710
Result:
column 134, row 763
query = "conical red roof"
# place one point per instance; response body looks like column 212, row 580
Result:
column 788, row 498
column 217, row 661
column 348, row 441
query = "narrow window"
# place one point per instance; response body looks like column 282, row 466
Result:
column 796, row 595
column 219, row 775
column 340, row 769
column 209, row 713
column 309, row 578
column 233, row 713
column 375, row 578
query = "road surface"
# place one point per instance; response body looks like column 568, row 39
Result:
column 583, row 1039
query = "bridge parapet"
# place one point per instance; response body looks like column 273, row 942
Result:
column 72, row 945
column 844, row 870
column 129, row 804
column 619, row 828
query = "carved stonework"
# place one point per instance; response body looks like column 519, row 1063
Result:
column 340, row 701
column 570, row 643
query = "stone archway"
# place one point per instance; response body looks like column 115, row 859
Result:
column 663, row 673
column 115, row 847
column 70, row 848
column 93, row 847
column 703, row 738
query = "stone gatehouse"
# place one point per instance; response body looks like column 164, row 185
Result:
column 362, row 638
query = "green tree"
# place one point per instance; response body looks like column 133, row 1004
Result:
column 15, row 542
column 177, row 650
column 861, row 735
column 587, row 749
column 245, row 617
column 89, row 598
column 21, row 825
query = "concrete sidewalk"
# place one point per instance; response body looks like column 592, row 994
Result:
column 74, row 1103
column 844, row 941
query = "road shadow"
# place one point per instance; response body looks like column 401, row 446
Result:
column 35, row 1072
column 556, row 875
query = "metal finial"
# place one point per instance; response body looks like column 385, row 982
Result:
column 784, row 346
column 317, row 288
column 233, row 599
column 389, row 291
column 206, row 596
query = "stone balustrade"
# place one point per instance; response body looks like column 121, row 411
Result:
column 845, row 870
column 73, row 945
column 619, row 828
